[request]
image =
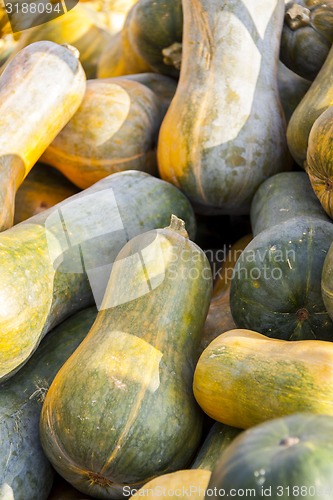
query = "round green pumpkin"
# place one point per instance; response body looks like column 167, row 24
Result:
column 290, row 457
column 276, row 285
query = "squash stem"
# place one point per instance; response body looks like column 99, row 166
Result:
column 297, row 16
column 178, row 225
column 172, row 55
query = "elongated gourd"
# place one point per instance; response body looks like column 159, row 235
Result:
column 24, row 468
column 317, row 99
column 59, row 261
column 43, row 188
column 276, row 284
column 40, row 90
column 224, row 132
column 126, row 392
column 244, row 378
column 114, row 129
column 79, row 27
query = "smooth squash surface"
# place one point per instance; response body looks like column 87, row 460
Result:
column 244, row 378
column 59, row 261
column 44, row 83
column 224, row 132
column 24, row 469
column 126, row 393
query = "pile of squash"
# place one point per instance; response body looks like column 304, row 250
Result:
column 166, row 250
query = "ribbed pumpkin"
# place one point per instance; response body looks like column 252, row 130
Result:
column 224, row 132
column 319, row 159
column 276, row 286
column 307, row 36
column 126, row 392
column 115, row 129
column 45, row 84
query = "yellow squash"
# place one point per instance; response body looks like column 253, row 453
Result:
column 244, row 378
column 40, row 90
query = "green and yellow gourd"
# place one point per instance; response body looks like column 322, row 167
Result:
column 25, row 471
column 45, row 83
column 131, row 409
column 79, row 27
column 307, row 36
column 284, row 458
column 244, row 378
column 114, row 129
column 58, row 261
column 317, row 99
column 319, row 160
column 43, row 188
column 224, row 132
column 276, row 285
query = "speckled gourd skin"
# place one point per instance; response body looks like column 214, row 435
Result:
column 276, row 286
column 317, row 99
column 45, row 82
column 124, row 394
column 114, row 129
column 283, row 458
column 23, row 466
column 244, row 378
column 36, row 292
column 224, row 132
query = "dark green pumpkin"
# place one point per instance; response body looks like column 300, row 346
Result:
column 290, row 457
column 292, row 88
column 307, row 36
column 126, row 393
column 276, row 286
column 218, row 439
column 155, row 33
column 24, row 469
column 45, row 261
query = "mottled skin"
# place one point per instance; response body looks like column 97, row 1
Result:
column 114, row 129
column 218, row 439
column 276, row 287
column 224, row 132
column 318, row 98
column 43, row 188
column 37, row 291
column 126, row 393
column 319, row 164
column 289, row 452
column 23, row 465
column 46, row 83
column 305, row 45
column 244, row 378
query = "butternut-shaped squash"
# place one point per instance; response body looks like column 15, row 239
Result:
column 43, row 188
column 317, row 99
column 125, row 394
column 80, row 27
column 40, row 90
column 224, row 132
column 244, row 378
column 115, row 129
column 59, row 261
column 319, row 159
